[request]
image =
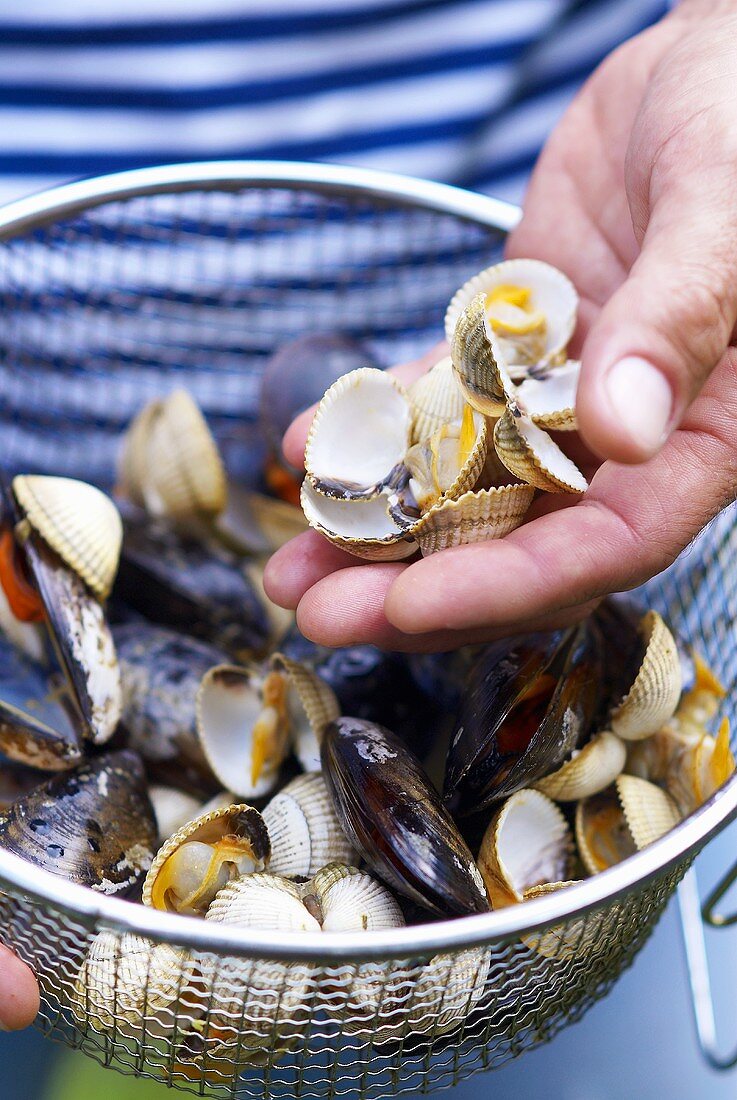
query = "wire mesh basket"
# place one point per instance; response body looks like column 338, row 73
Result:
column 113, row 292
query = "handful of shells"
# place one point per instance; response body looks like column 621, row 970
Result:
column 456, row 457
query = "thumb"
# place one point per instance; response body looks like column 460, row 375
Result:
column 663, row 332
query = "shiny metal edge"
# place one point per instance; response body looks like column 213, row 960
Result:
column 47, row 206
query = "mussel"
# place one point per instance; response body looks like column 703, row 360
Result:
column 191, row 585
column 526, row 706
column 59, row 544
column 161, row 673
column 394, row 818
column 93, row 825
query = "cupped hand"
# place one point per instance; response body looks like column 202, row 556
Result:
column 634, row 198
column 18, row 992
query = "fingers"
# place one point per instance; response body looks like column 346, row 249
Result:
column 296, row 435
column 632, row 523
column 19, row 999
column 300, row 564
column 663, row 332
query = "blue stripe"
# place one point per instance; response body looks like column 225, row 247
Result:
column 234, row 28
column 265, row 91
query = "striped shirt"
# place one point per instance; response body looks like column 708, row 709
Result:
column 462, row 91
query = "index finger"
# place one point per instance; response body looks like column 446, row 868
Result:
column 295, row 436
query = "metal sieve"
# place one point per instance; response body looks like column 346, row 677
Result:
column 112, row 291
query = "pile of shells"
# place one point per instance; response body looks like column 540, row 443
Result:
column 457, row 457
column 166, row 738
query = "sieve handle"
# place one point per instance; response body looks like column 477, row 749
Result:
column 692, row 929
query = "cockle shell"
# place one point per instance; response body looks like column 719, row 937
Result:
column 575, row 939
column 436, row 398
column 527, row 843
column 617, row 822
column 172, row 809
column 304, row 830
column 549, row 397
column 349, row 900
column 444, row 991
column 311, row 703
column 532, row 455
column 700, row 703
column 133, row 462
column 78, row 522
column 474, row 517
column 450, row 461
column 478, row 361
column 128, row 980
column 359, row 435
column 690, row 768
column 552, row 295
column 589, row 770
column 364, row 528
column 183, row 473
column 93, row 825
column 653, row 697
column 238, row 843
column 254, row 523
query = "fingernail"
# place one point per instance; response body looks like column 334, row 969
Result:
column 642, row 400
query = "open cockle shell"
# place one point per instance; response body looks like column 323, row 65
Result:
column 690, row 768
column 653, row 697
column 450, row 461
column 304, row 830
column 474, row 517
column 238, row 843
column 359, row 435
column 532, row 455
column 478, row 361
column 549, row 397
column 363, row 528
column 312, row 704
column 527, row 843
column 131, row 979
column 617, row 822
column 589, row 770
column 436, row 399
column 185, row 476
column 551, row 294
column 173, row 809
column 78, row 522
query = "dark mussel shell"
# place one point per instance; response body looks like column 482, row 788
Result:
column 16, row 781
column 39, row 723
column 370, row 683
column 93, row 826
column 394, row 817
column 161, row 673
column 190, row 585
column 528, row 703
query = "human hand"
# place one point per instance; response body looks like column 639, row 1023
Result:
column 18, row 992
column 633, row 199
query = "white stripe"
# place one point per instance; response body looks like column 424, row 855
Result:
column 35, row 130
column 587, row 35
column 221, row 64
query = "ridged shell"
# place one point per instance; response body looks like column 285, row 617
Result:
column 649, row 811
column 359, row 434
column 654, row 695
column 436, row 399
column 529, row 453
column 133, row 463
column 304, row 829
column 172, row 809
column 238, row 820
column 691, row 769
column 478, row 362
column 474, row 517
column 350, row 900
column 603, row 837
column 527, row 843
column 185, row 476
column 549, row 399
column 590, row 769
column 235, row 704
column 128, row 978
column 576, row 939
column 445, row 991
column 430, row 481
column 311, row 698
column 78, row 522
column 363, row 528
column 256, row 1005
column 553, row 293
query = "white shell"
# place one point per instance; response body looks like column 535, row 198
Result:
column 527, row 843
column 549, row 399
column 654, row 695
column 532, row 455
column 436, row 399
column 446, row 990
column 588, row 771
column 552, row 293
column 78, row 522
column 304, row 829
column 690, row 768
column 353, row 901
column 360, row 527
column 360, row 432
column 172, row 809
